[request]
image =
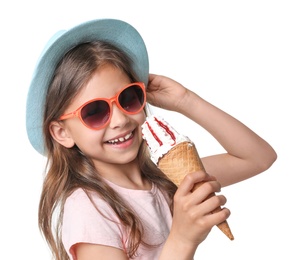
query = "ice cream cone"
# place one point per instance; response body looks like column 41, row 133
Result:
column 181, row 160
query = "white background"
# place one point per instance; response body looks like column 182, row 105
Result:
column 245, row 57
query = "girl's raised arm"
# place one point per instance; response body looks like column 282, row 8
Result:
column 247, row 154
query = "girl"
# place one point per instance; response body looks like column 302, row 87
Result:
column 102, row 196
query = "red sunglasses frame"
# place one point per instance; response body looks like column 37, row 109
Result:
column 77, row 112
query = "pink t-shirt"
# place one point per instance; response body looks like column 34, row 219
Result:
column 82, row 223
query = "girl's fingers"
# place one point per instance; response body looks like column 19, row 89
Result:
column 204, row 191
column 190, row 180
column 216, row 218
column 212, row 204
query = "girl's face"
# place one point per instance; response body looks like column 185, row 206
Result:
column 119, row 141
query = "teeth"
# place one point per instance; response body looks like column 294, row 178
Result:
column 121, row 139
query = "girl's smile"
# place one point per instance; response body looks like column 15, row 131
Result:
column 120, row 139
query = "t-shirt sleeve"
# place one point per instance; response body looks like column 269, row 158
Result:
column 83, row 223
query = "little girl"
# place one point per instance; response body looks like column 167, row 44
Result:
column 103, row 197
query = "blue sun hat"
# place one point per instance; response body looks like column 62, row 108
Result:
column 116, row 32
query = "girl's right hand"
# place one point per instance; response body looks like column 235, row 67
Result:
column 192, row 217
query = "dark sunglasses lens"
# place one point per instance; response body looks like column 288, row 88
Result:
column 96, row 113
column 132, row 98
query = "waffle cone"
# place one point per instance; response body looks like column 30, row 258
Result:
column 181, row 160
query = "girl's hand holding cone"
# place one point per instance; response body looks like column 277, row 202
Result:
column 193, row 209
column 179, row 164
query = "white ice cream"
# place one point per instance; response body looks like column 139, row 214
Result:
column 160, row 137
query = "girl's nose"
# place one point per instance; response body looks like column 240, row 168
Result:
column 118, row 119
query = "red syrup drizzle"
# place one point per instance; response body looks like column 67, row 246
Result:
column 165, row 127
column 154, row 134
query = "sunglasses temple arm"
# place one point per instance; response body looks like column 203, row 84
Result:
column 148, row 110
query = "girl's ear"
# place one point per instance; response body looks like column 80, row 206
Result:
column 60, row 134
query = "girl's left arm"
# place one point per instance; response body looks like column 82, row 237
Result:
column 247, row 154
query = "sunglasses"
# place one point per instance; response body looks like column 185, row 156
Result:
column 96, row 113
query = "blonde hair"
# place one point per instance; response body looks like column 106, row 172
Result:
column 68, row 169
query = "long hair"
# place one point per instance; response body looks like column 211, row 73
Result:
column 68, row 169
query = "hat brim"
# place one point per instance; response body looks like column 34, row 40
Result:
column 116, row 32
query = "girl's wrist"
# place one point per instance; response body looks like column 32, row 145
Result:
column 177, row 249
column 187, row 104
